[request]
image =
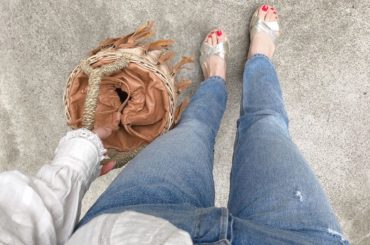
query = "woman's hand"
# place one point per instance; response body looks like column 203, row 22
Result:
column 104, row 133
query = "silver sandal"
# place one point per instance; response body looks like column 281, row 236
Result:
column 269, row 27
column 221, row 50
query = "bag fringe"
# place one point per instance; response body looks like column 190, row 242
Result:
column 180, row 65
column 127, row 41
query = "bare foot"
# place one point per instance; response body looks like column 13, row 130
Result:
column 214, row 65
column 261, row 42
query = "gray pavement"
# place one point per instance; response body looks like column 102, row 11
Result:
column 323, row 61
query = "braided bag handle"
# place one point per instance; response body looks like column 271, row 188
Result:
column 88, row 116
column 95, row 77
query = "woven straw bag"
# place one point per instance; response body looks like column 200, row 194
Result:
column 129, row 86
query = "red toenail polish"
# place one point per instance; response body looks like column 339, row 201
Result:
column 265, row 8
column 219, row 33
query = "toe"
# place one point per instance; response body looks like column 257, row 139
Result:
column 275, row 16
column 206, row 38
column 271, row 14
column 262, row 12
column 209, row 40
column 220, row 36
column 209, row 37
column 214, row 39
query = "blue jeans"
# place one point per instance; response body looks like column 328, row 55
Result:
column 275, row 197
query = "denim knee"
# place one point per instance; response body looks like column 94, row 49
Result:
column 264, row 120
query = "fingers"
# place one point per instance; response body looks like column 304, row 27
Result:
column 106, row 168
column 103, row 133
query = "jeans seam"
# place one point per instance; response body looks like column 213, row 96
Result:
column 231, row 225
column 196, row 225
column 224, row 224
column 236, row 143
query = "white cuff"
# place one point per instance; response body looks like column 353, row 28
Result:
column 87, row 134
column 82, row 151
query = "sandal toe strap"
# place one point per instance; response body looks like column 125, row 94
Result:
column 221, row 50
column 271, row 28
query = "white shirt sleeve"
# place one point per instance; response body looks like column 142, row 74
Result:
column 45, row 209
column 129, row 228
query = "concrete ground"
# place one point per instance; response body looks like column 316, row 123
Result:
column 322, row 59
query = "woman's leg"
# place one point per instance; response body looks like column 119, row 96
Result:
column 272, row 185
column 177, row 167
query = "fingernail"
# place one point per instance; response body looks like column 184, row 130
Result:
column 219, row 33
column 265, row 8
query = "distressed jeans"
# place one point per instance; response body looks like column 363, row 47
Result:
column 275, row 198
